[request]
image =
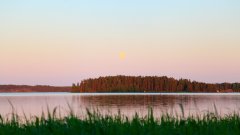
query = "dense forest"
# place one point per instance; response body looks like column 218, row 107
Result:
column 150, row 84
column 37, row 88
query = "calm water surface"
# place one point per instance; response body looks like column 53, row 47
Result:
column 33, row 104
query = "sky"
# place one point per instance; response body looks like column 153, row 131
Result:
column 60, row 42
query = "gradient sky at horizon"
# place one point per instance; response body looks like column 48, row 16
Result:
column 58, row 42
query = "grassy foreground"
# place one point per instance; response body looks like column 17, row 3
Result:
column 97, row 124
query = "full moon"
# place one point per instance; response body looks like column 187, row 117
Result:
column 122, row 55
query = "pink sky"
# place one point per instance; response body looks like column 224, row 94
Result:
column 58, row 44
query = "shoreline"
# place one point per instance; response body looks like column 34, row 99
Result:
column 23, row 94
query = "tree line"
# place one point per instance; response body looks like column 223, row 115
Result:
column 150, row 84
column 37, row 88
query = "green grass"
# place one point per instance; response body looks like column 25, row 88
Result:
column 96, row 124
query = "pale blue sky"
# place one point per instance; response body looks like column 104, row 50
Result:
column 58, row 42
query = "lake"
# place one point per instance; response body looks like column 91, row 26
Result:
column 33, row 104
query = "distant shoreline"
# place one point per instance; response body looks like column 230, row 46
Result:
column 20, row 94
column 148, row 84
column 68, row 89
column 36, row 88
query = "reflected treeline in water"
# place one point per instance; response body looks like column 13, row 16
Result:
column 137, row 100
column 130, row 100
column 191, row 105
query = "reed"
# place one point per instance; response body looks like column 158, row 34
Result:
column 97, row 124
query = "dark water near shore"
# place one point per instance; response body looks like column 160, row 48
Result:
column 33, row 104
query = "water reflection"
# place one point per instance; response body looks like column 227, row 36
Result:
column 128, row 104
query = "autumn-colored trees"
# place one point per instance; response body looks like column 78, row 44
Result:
column 149, row 84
